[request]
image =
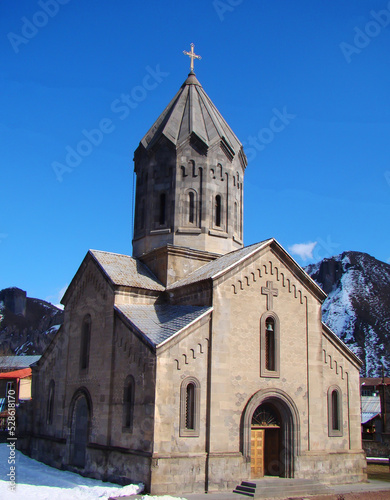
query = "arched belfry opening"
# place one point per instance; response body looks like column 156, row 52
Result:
column 270, row 434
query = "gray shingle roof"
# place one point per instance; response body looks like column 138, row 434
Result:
column 370, row 407
column 124, row 270
column 222, row 264
column 159, row 323
column 17, row 362
column 192, row 111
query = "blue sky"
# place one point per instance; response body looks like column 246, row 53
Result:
column 318, row 177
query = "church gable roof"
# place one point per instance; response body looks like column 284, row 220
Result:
column 229, row 261
column 191, row 112
column 216, row 267
column 123, row 270
column 160, row 322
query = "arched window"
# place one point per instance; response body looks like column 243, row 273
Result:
column 189, row 407
column 50, row 403
column 335, row 416
column 218, row 210
column 85, row 342
column 128, row 404
column 269, row 345
column 162, row 214
column 191, row 203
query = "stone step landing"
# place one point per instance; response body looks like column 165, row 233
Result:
column 282, row 488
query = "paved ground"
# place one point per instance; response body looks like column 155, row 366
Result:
column 377, row 488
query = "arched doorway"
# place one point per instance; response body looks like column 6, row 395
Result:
column 270, row 434
column 79, row 430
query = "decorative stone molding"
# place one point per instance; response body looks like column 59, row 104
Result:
column 269, row 269
column 186, row 358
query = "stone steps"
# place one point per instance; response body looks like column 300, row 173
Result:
column 246, row 489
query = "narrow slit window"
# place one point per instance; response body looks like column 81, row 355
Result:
column 142, row 215
column 128, row 403
column 85, row 343
column 335, row 416
column 191, row 201
column 270, row 344
column 335, row 411
column 162, row 217
column 218, row 207
column 190, row 407
column 50, row 403
column 235, row 217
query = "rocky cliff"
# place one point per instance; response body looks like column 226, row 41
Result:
column 27, row 325
column 357, row 308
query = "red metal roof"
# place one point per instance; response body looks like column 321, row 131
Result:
column 373, row 381
column 25, row 372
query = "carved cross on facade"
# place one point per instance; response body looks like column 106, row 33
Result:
column 192, row 55
column 270, row 292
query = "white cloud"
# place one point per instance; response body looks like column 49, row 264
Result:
column 60, row 295
column 57, row 296
column 303, row 250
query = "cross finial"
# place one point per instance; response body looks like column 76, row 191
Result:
column 192, row 55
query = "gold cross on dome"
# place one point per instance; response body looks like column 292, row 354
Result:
column 192, row 55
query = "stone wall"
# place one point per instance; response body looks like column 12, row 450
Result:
column 376, row 449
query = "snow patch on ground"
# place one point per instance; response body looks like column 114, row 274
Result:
column 164, row 497
column 38, row 481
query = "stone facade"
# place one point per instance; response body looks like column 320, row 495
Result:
column 171, row 364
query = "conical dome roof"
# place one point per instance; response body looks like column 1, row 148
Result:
column 191, row 111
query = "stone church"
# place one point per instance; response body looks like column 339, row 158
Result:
column 197, row 362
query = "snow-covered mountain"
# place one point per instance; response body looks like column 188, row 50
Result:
column 27, row 325
column 357, row 308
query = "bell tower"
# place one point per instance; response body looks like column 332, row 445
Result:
column 189, row 189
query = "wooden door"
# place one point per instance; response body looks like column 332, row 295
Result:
column 257, row 453
column 272, row 463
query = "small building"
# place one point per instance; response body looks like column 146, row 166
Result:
column 375, row 415
column 12, row 363
column 15, row 388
